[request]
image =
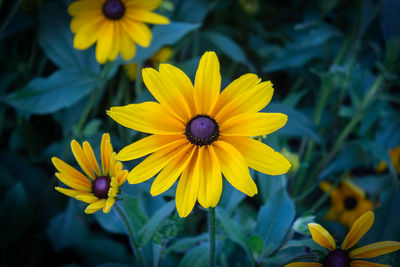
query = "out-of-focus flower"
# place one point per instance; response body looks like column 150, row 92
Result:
column 348, row 202
column 394, row 157
column 162, row 56
column 293, row 159
column 197, row 132
column 99, row 187
column 116, row 25
column 250, row 6
column 344, row 255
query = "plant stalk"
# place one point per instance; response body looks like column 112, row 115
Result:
column 211, row 230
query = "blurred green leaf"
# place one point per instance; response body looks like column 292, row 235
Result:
column 151, row 227
column 110, row 222
column 187, row 13
column 91, row 127
column 134, row 212
column 183, row 244
column 196, row 257
column 300, row 225
column 256, row 243
column 60, row 90
column 270, row 185
column 275, row 219
column 231, row 197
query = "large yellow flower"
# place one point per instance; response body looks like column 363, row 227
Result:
column 348, row 202
column 198, row 132
column 99, row 187
column 116, row 25
column 345, row 256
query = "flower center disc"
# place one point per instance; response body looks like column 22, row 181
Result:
column 337, row 258
column 100, row 186
column 202, row 130
column 350, row 203
column 113, row 9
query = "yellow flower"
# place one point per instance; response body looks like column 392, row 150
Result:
column 344, row 255
column 163, row 55
column 348, row 202
column 293, row 159
column 395, row 158
column 116, row 25
column 98, row 187
column 198, row 132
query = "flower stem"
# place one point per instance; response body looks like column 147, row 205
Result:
column 211, row 230
column 132, row 238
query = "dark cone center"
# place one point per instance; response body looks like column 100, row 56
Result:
column 350, row 203
column 100, row 186
column 113, row 9
column 337, row 258
column 202, row 130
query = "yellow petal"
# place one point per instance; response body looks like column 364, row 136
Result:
column 181, row 81
column 81, row 159
column 155, row 162
column 148, row 117
column 236, row 88
column 87, row 33
column 188, row 187
column 146, row 146
column 148, row 4
column 127, row 47
column 304, row 264
column 118, row 34
column 375, row 249
column 211, row 182
column 354, row 188
column 358, row 230
column 325, row 186
column 106, row 151
column 121, row 177
column 142, row 15
column 252, row 100
column 167, row 177
column 137, row 31
column 167, row 94
column 253, row 124
column 92, row 208
column 70, row 173
column 234, row 168
column 87, row 198
column 73, row 183
column 366, row 264
column 109, row 203
column 105, row 41
column 68, row 192
column 322, row 236
column 81, row 7
column 87, row 149
column 162, row 55
column 207, row 84
column 259, row 156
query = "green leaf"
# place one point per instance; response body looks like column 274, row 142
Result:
column 56, row 39
column 269, row 185
column 274, row 220
column 256, row 244
column 196, row 257
column 134, row 212
column 300, row 225
column 182, row 245
column 233, row 230
column 68, row 228
column 164, row 35
column 110, row 222
column 231, row 197
column 227, row 46
column 151, row 227
column 60, row 90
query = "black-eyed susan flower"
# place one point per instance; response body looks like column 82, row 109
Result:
column 162, row 56
column 197, row 132
column 116, row 25
column 344, row 255
column 348, row 202
column 99, row 187
column 394, row 155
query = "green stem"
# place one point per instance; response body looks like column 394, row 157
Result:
column 132, row 238
column 10, row 16
column 211, row 230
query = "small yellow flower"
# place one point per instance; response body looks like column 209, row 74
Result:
column 162, row 56
column 395, row 158
column 197, row 132
column 98, row 187
column 344, row 255
column 348, row 202
column 116, row 25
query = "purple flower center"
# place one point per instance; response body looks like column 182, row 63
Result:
column 337, row 258
column 100, row 186
column 202, row 130
column 350, row 203
column 113, row 9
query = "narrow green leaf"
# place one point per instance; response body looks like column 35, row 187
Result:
column 196, row 257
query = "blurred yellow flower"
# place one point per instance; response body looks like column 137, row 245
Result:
column 116, row 25
column 197, row 132
column 395, row 158
column 348, row 202
column 162, row 56
column 344, row 255
column 293, row 159
column 250, row 6
column 98, row 187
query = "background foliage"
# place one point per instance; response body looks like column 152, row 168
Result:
column 334, row 66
